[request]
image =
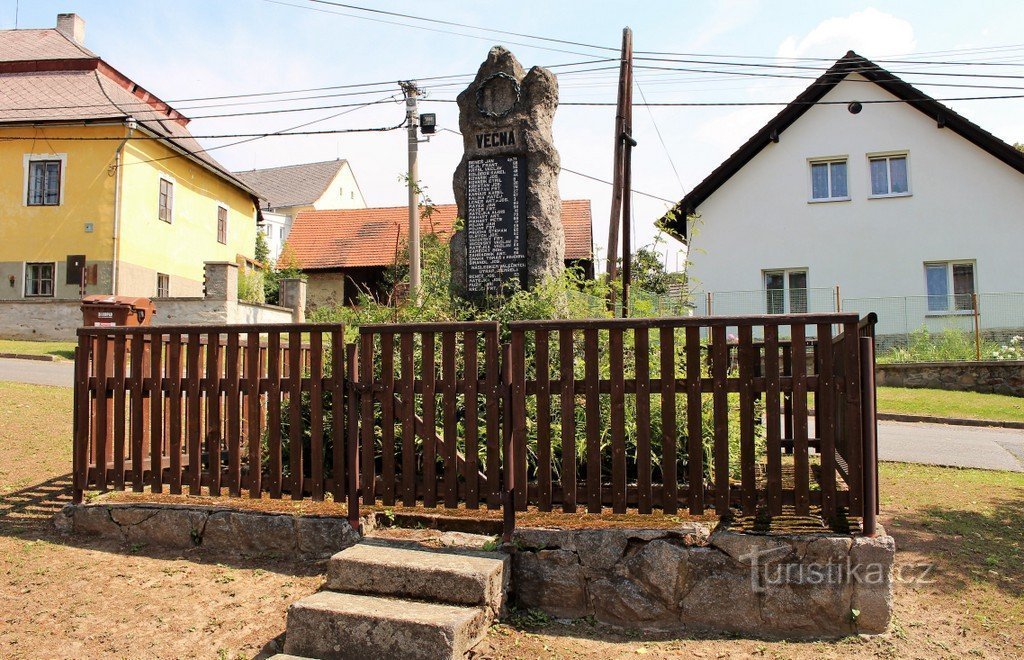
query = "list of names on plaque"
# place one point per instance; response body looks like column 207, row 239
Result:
column 496, row 226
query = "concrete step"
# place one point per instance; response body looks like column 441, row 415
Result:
column 455, row 577
column 334, row 626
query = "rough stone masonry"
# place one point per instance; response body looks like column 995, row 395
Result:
column 505, row 117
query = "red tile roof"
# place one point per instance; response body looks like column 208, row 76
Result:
column 360, row 238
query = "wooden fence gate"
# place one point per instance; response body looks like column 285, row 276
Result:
column 626, row 414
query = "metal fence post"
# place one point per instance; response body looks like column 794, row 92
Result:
column 508, row 490
column 839, row 301
column 977, row 327
column 869, row 434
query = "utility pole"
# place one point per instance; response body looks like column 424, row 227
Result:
column 621, row 175
column 412, row 118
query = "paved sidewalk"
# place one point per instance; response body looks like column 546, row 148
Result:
column 38, row 372
column 961, row 446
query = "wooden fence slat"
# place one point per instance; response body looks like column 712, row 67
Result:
column 254, row 414
column 429, row 411
column 193, row 415
column 593, row 419
column 156, row 408
column 747, row 422
column 352, row 432
column 618, row 419
column 642, row 353
column 83, row 417
column 120, row 365
column 367, row 420
column 852, row 422
column 567, row 403
column 787, row 398
column 213, row 410
column 174, row 411
column 295, row 458
column 138, row 412
column 408, row 420
column 720, row 412
column 231, row 406
column 801, row 482
column 274, row 459
column 824, row 415
column 694, row 421
column 101, row 420
column 449, row 379
column 472, row 378
column 492, row 421
column 337, row 413
column 773, row 439
column 518, row 356
column 543, row 368
column 669, row 431
column 387, row 413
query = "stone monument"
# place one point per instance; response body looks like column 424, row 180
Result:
column 506, row 187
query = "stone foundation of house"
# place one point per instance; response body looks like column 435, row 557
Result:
column 988, row 377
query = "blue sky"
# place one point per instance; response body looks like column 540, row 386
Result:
column 196, row 48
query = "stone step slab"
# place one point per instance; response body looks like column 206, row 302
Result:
column 439, row 576
column 334, row 626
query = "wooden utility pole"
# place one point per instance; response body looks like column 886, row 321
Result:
column 627, row 184
column 625, row 69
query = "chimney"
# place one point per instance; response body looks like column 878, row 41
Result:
column 72, row 26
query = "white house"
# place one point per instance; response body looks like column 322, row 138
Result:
column 865, row 183
column 325, row 186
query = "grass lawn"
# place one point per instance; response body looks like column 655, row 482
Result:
column 61, row 349
column 86, row 597
column 940, row 403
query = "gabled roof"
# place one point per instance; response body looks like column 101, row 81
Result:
column 362, row 238
column 293, row 185
column 674, row 221
column 45, row 77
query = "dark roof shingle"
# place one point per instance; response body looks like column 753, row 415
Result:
column 292, row 185
column 361, row 238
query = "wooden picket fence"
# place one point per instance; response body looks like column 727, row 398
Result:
column 567, row 415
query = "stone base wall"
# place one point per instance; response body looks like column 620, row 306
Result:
column 991, row 377
column 775, row 586
column 245, row 533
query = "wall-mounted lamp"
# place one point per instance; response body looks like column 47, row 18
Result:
column 428, row 123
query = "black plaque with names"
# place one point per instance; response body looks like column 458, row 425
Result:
column 496, row 226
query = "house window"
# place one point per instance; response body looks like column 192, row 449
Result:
column 39, row 279
column 44, row 183
column 943, row 277
column 163, row 285
column 280, row 234
column 889, row 175
column 222, row 225
column 166, row 202
column 785, row 290
column 828, row 180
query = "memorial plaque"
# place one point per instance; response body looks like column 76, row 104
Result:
column 495, row 223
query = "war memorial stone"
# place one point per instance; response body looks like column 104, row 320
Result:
column 506, row 186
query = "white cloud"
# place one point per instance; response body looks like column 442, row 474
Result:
column 872, row 33
column 729, row 15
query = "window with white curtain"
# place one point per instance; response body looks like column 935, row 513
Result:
column 828, row 180
column 889, row 175
column 950, row 286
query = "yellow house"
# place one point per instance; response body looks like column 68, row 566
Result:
column 100, row 178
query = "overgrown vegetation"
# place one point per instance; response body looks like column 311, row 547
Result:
column 950, row 345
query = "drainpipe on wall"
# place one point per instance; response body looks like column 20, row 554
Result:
column 131, row 124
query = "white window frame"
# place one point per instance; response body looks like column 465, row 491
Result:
column 227, row 223
column 167, row 292
column 28, row 158
column 949, row 263
column 887, row 155
column 174, row 184
column 786, row 299
column 826, row 160
column 24, row 279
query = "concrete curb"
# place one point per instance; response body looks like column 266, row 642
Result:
column 37, row 358
column 952, row 421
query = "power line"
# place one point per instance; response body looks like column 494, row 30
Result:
column 699, row 104
column 664, row 146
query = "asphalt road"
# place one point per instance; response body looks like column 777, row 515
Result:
column 912, row 442
column 38, row 372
